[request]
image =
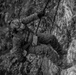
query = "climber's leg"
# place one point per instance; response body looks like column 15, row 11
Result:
column 56, row 45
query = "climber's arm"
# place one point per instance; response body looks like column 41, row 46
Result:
column 32, row 17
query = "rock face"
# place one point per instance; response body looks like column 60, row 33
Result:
column 71, row 59
column 71, row 56
column 69, row 71
column 48, row 67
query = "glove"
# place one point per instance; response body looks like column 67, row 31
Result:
column 41, row 14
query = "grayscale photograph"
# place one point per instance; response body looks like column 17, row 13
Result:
column 37, row 37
